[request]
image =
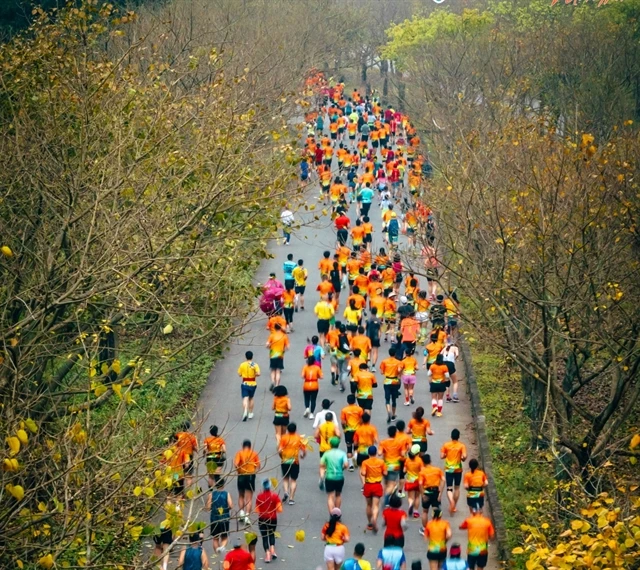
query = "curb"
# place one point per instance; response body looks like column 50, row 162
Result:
column 485, row 451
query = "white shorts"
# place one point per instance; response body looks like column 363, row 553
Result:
column 422, row 317
column 334, row 554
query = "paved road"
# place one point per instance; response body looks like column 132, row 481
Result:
column 220, row 404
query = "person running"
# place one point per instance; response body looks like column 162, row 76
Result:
column 247, row 464
column 287, row 267
column 324, row 432
column 281, row 409
column 450, row 355
column 432, row 481
column 342, row 350
column 436, row 533
column 475, row 480
column 391, row 450
column 325, row 265
column 332, row 466
column 412, row 466
column 314, row 349
column 351, row 419
column 238, row 558
column 215, row 453
column 335, row 535
column 365, row 383
column 372, row 472
column 405, row 444
column 187, row 445
column 480, row 531
column 365, row 437
column 288, row 306
column 268, row 505
column 286, row 219
column 193, row 557
column 391, row 556
column 395, row 520
column 374, row 324
column 342, row 223
column 391, row 368
column 291, row 449
column 326, row 409
column 325, row 312
column 335, row 277
column 357, row 562
column 278, row 344
column 419, row 428
column 361, row 342
column 219, row 503
column 454, row 453
column 300, row 275
column 409, row 369
column 311, row 374
column 438, row 382
column 454, row 562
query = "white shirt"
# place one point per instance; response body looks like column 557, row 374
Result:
column 319, row 419
column 286, row 217
column 451, row 354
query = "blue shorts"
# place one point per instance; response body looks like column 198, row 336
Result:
column 247, row 391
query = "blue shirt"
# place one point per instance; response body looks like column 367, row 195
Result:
column 392, row 557
column 288, row 267
column 366, row 195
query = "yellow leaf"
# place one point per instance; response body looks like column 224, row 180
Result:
column 17, row 491
column 161, row 382
column 42, row 507
column 14, row 445
column 168, row 329
column 300, row 535
column 104, row 368
column 277, row 534
column 99, row 390
column 575, row 525
column 116, row 477
column 135, row 532
column 31, row 425
column 115, row 366
column 46, row 561
column 92, row 372
column 137, row 491
column 6, row 251
column 117, row 388
column 518, row 550
column 148, row 491
column 635, row 441
column 20, row 564
column 633, row 460
column 274, row 482
column 10, row 464
column 22, row 436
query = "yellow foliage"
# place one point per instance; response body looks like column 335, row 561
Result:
column 22, row 436
column 300, row 535
column 6, row 251
column 46, row 561
column 14, row 445
column 16, row 491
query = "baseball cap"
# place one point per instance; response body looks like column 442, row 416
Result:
column 455, row 550
column 393, row 294
column 237, row 543
column 336, row 511
column 334, row 441
column 415, row 449
column 404, row 300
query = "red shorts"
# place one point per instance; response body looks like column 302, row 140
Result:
column 411, row 486
column 372, row 490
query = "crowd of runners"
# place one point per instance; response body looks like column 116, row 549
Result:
column 382, row 318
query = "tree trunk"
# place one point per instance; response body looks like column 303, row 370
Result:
column 534, row 399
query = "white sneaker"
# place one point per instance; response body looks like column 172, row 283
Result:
column 241, row 513
column 250, row 415
column 310, row 416
column 306, row 413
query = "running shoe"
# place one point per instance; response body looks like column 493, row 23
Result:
column 434, row 411
column 438, row 414
column 250, row 415
column 406, row 402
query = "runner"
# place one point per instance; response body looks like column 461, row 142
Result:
column 419, row 428
column 219, row 503
column 286, row 219
column 436, row 533
column 390, row 368
column 311, row 374
column 335, row 534
column 454, row 562
column 480, row 531
column 392, row 453
column 409, row 368
column 291, row 449
column 238, row 558
column 372, row 472
column 351, row 419
column 215, row 453
column 391, row 557
column 405, row 445
column 247, row 464
column 374, row 324
column 357, row 562
column 432, row 481
column 281, row 409
column 438, row 382
column 332, row 466
column 268, row 505
column 326, row 405
column 187, row 445
column 450, row 355
column 325, row 312
column 325, row 432
column 475, row 481
column 300, row 275
column 288, row 266
column 454, row 453
column 365, row 382
column 193, row 557
column 288, row 305
column 278, row 344
column 412, row 466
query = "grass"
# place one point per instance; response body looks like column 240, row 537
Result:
column 524, row 477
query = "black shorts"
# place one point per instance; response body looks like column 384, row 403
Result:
column 246, row 483
column 437, row 555
column 368, row 238
column 276, row 363
column 165, row 537
column 437, row 387
column 479, row 561
column 364, row 137
column 353, row 387
column 430, row 500
column 453, row 479
column 475, row 502
column 334, row 485
column 188, row 468
column 291, row 470
column 365, row 404
column 375, row 343
column 219, row 529
column 281, row 421
column 374, row 143
column 334, row 136
column 361, row 458
column 451, row 366
column 423, row 445
column 398, row 278
column 289, row 283
column 300, row 289
column 323, row 326
column 348, row 437
column 288, row 314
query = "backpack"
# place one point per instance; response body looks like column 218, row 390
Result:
column 219, row 506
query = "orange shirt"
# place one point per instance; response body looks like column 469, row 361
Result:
column 368, row 227
column 365, row 380
column 419, row 429
column 357, row 234
column 311, row 375
column 247, row 462
column 363, row 343
column 480, row 531
column 343, row 255
column 353, row 268
column 405, row 441
column 454, row 453
column 365, row 257
column 354, row 366
column 373, row 470
column 278, row 343
column 390, row 367
column 391, row 450
column 377, row 301
column 325, row 287
column 281, row 405
column 436, row 531
column 339, row 535
column 389, row 309
column 359, row 299
column 213, row 444
column 287, row 298
column 476, row 479
column 409, row 365
column 351, row 417
column 366, row 436
column 412, row 468
column 187, row 444
column 438, row 372
column 361, row 281
column 276, row 320
column 290, row 447
column 430, row 477
column 332, row 338
column 388, row 278
column 325, row 266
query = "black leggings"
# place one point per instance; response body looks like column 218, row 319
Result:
column 268, row 533
column 310, row 398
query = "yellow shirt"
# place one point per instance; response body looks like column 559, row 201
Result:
column 324, row 310
column 248, row 371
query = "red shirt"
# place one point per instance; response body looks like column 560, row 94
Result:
column 342, row 222
column 238, row 559
column 392, row 519
column 319, row 154
column 267, row 506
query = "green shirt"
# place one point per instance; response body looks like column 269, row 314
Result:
column 333, row 461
